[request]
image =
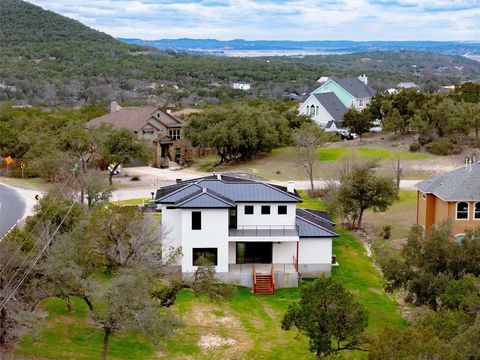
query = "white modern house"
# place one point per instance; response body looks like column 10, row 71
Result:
column 330, row 98
column 242, row 86
column 251, row 231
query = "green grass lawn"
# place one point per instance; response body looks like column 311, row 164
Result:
column 282, row 163
column 252, row 322
column 132, row 202
column 401, row 215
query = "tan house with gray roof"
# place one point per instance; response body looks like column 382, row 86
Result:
column 453, row 196
column 162, row 129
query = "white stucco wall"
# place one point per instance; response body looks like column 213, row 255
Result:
column 214, row 234
column 172, row 232
column 315, row 251
column 232, row 252
column 323, row 116
column 284, row 252
column 257, row 219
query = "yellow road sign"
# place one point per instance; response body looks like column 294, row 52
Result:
column 8, row 160
column 37, row 197
column 22, row 165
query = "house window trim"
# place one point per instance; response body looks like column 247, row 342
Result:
column 269, row 210
column 468, row 211
column 205, row 248
column 455, row 238
column 475, row 211
column 245, row 210
column 200, row 228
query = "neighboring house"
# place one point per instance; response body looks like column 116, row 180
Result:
column 242, row 86
column 407, row 85
column 447, row 89
column 249, row 230
column 335, row 96
column 325, row 109
column 163, row 130
column 453, row 196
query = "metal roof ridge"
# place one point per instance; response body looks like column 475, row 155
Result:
column 317, row 225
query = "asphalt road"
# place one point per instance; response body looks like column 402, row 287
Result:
column 12, row 208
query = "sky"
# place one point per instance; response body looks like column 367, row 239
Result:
column 277, row 20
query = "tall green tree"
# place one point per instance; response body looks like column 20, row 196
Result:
column 359, row 122
column 330, row 317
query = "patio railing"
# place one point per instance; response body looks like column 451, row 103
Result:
column 262, row 230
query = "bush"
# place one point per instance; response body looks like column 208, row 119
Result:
column 425, row 139
column 387, row 231
column 206, row 283
column 416, row 146
column 441, row 146
column 135, row 178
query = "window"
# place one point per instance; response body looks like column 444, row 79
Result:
column 196, row 220
column 459, row 238
column 462, row 211
column 147, row 134
column 202, row 255
column 477, row 211
column 317, row 110
column 312, row 110
column 265, row 210
column 248, row 209
column 282, row 209
column 424, row 196
column 174, row 134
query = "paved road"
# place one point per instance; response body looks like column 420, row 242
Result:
column 12, row 208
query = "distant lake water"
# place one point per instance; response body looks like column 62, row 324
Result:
column 473, row 57
column 262, row 53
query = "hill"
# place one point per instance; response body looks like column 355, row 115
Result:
column 51, row 59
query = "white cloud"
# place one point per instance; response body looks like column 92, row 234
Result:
column 281, row 19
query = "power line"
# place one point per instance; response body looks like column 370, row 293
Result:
column 33, row 248
column 36, row 260
column 33, row 229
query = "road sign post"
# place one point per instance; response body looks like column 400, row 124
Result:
column 22, row 166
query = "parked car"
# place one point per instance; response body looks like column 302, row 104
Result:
column 376, row 129
column 346, row 135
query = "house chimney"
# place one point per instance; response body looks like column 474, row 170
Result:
column 291, row 186
column 219, row 176
column 114, row 107
column 363, row 78
column 169, row 111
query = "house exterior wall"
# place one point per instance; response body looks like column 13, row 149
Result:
column 214, row 234
column 432, row 210
column 315, row 251
column 331, row 86
column 321, row 117
column 284, row 252
column 172, row 231
column 362, row 103
column 273, row 219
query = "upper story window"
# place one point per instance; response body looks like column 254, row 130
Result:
column 477, row 211
column 196, row 220
column 248, row 209
column 312, row 110
column 282, row 209
column 174, row 134
column 462, row 211
column 317, row 110
column 265, row 209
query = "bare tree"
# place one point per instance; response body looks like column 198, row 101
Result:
column 307, row 140
column 399, row 172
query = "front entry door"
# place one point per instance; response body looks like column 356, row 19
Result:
column 254, row 252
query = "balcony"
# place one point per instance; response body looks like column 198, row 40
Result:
column 263, row 231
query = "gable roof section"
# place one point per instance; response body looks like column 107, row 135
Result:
column 228, row 188
column 333, row 105
column 135, row 118
column 314, row 224
column 457, row 185
column 205, row 199
column 354, row 87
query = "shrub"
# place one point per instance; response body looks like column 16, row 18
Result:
column 416, row 146
column 424, row 139
column 135, row 178
column 206, row 283
column 441, row 146
column 387, row 231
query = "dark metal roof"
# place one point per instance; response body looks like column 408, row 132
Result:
column 355, row 87
column 456, row 185
column 229, row 188
column 205, row 199
column 313, row 223
column 333, row 105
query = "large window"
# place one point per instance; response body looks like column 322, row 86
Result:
column 202, row 256
column 462, row 211
column 265, row 210
column 248, row 209
column 282, row 209
column 196, row 220
column 477, row 211
column 174, row 134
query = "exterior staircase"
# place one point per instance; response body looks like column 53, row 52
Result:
column 263, row 284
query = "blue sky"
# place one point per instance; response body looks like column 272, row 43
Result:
column 278, row 20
